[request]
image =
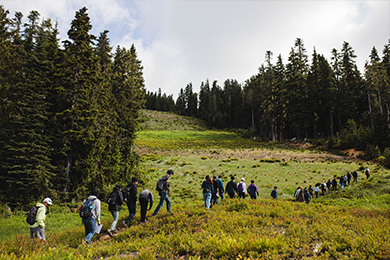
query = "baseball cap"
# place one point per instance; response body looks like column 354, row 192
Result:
column 48, row 201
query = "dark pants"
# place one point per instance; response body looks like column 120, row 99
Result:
column 144, row 207
column 253, row 196
column 241, row 194
column 132, row 206
column 231, row 195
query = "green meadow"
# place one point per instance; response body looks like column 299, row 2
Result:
column 352, row 223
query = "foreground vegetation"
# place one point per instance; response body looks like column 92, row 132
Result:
column 263, row 228
column 350, row 223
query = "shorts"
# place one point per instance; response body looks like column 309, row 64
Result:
column 38, row 231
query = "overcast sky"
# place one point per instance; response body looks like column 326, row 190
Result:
column 184, row 41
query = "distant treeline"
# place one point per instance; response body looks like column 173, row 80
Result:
column 322, row 100
column 68, row 114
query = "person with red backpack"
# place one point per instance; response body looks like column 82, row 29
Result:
column 367, row 172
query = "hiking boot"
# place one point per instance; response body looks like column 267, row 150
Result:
column 125, row 224
column 110, row 233
column 115, row 231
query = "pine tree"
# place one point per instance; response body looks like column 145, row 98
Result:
column 77, row 112
column 26, row 163
column 129, row 93
column 296, row 73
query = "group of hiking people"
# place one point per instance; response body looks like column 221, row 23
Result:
column 213, row 190
column 90, row 210
column 326, row 187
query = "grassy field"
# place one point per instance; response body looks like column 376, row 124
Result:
column 350, row 224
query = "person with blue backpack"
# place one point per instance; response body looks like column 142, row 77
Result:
column 90, row 213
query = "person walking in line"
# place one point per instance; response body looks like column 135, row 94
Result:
column 323, row 188
column 310, row 191
column 165, row 191
column 298, row 191
column 334, row 183
column 91, row 221
column 37, row 230
column 208, row 190
column 367, row 173
column 274, row 192
column 115, row 202
column 306, row 195
column 253, row 190
column 144, row 198
column 349, row 177
column 316, row 190
column 329, row 185
column 221, row 189
column 231, row 187
column 215, row 193
column 241, row 187
column 355, row 177
column 131, row 200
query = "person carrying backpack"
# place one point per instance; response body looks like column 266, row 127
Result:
column 164, row 191
column 115, row 201
column 253, row 190
column 90, row 212
column 131, row 200
column 37, row 229
column 231, row 187
column 241, row 187
column 367, row 173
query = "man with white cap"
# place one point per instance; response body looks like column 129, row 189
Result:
column 241, row 187
column 38, row 228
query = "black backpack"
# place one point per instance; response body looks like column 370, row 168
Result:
column 86, row 208
column 112, row 198
column 32, row 215
column 160, row 184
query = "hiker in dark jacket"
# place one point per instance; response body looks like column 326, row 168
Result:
column 231, row 187
column 114, row 206
column 144, row 198
column 164, row 193
column 131, row 199
column 221, row 189
column 334, row 184
column 329, row 185
column 355, row 176
column 208, row 190
column 215, row 193
column 306, row 195
column 253, row 190
column 349, row 177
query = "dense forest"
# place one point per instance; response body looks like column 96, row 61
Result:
column 68, row 112
column 322, row 100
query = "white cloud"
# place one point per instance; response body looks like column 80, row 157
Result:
column 191, row 41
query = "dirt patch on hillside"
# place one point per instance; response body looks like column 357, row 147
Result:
column 251, row 154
